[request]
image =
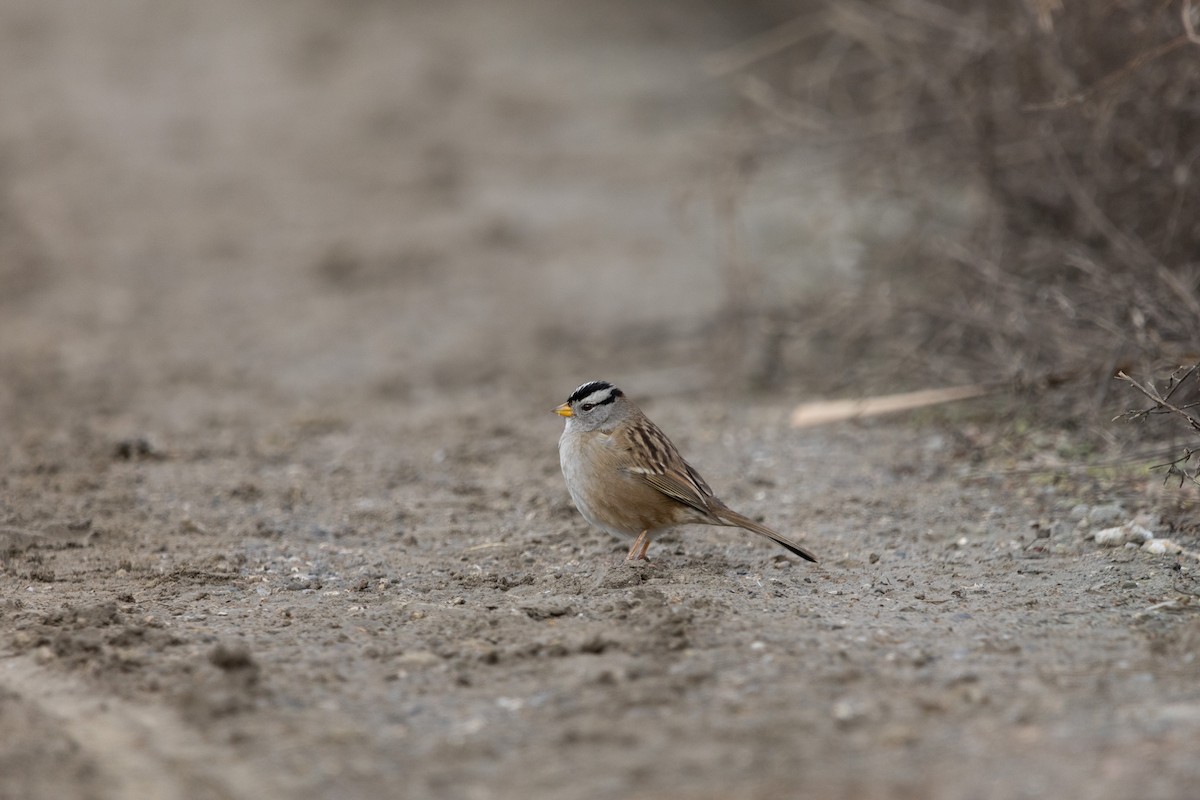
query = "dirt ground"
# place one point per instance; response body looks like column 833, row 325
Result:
column 287, row 290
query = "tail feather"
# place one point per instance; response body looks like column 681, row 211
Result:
column 728, row 516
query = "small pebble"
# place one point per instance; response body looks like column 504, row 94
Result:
column 1161, row 547
column 417, row 658
column 510, row 703
column 1115, row 537
column 848, row 710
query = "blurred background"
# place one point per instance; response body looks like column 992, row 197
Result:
column 204, row 206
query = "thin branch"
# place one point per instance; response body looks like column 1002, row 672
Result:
column 764, row 45
column 1175, row 470
column 1159, row 401
column 1111, row 78
column 1181, row 382
column 1189, row 26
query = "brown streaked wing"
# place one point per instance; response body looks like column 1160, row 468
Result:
column 652, row 457
column 678, row 488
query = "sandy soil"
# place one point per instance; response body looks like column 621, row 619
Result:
column 287, row 291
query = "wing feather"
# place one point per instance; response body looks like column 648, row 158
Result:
column 647, row 455
column 651, row 457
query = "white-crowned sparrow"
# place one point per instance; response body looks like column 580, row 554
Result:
column 627, row 478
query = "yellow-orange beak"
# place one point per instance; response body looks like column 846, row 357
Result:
column 564, row 411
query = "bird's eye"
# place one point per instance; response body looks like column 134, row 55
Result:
column 588, row 406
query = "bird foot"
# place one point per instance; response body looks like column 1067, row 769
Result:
column 640, row 545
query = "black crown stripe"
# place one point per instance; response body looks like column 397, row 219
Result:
column 592, row 388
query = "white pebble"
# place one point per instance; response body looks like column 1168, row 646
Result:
column 1110, row 537
column 845, row 711
column 1129, row 532
column 1161, row 546
column 417, row 658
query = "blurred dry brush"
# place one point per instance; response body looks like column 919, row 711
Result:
column 1180, row 399
column 1078, row 124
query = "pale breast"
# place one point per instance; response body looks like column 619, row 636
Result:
column 579, row 468
column 606, row 496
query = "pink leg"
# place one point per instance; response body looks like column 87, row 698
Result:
column 644, row 541
column 645, row 547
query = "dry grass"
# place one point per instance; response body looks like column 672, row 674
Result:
column 1079, row 122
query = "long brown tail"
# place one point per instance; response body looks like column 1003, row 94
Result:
column 730, row 517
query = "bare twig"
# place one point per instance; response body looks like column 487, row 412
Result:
column 1189, row 26
column 786, row 110
column 1111, row 79
column 1174, row 470
column 1160, row 402
column 1175, row 384
column 755, row 49
column 823, row 412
